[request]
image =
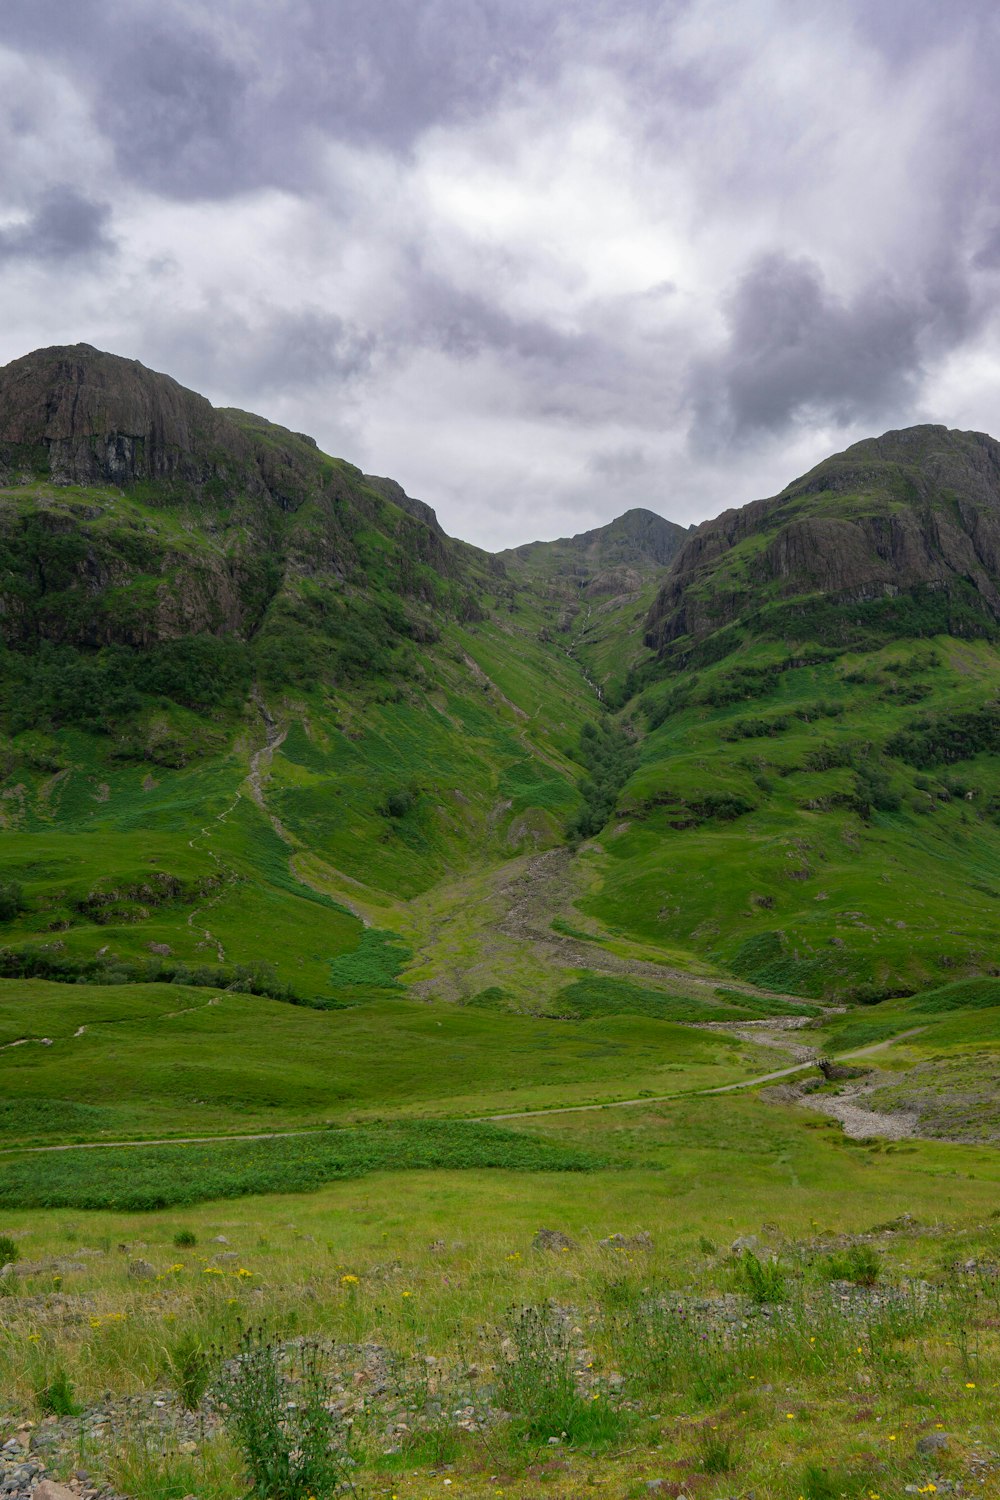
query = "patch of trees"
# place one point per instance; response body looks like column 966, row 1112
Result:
column 866, row 625
column 610, row 756
column 11, row 899
column 947, row 737
column 324, row 638
column 762, row 728
column 56, row 687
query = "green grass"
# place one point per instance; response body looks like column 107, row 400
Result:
column 137, row 1178
column 812, row 888
column 172, row 1060
column 436, row 1268
column 378, row 960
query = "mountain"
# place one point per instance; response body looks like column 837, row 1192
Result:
column 817, row 795
column 242, row 523
column 600, row 560
column 897, row 532
column 598, row 587
column 190, row 595
column 246, row 689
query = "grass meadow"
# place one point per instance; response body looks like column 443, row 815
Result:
column 856, row 1316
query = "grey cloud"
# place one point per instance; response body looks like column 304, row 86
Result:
column 278, row 352
column 65, row 225
column 795, row 347
column 177, row 114
column 620, row 464
column 213, row 101
column 903, row 30
column 243, row 97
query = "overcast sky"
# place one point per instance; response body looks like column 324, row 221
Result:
column 538, row 261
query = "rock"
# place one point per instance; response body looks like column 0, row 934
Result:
column 553, row 1239
column 48, row 1489
column 141, row 1270
column 9, row 1269
column 225, row 1255
column 745, row 1242
column 933, row 1442
column 220, row 1239
column 640, row 1241
column 163, row 949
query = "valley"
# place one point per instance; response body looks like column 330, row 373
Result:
column 371, row 903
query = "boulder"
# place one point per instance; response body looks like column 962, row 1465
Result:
column 48, row 1489
column 553, row 1239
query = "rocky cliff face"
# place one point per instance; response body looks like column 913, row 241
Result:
column 919, row 508
column 244, row 513
column 84, row 417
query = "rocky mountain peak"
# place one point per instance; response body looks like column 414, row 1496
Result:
column 87, row 417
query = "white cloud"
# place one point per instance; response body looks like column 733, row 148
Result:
column 532, row 238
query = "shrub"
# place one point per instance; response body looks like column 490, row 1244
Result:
column 861, row 1264
column 53, row 1391
column 537, row 1385
column 189, row 1365
column 8, row 1250
column 398, row 803
column 11, row 899
column 184, row 1239
column 290, row 1451
column 762, row 1281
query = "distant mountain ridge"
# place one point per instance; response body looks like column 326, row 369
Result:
column 639, row 541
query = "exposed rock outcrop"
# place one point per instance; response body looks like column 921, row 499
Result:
column 919, row 508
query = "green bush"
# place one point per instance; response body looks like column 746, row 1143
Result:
column 610, row 756
column 9, row 1253
column 11, row 899
column 291, row 1450
column 861, row 1264
column 536, row 1384
column 763, row 1281
column 53, row 1391
column 189, row 1365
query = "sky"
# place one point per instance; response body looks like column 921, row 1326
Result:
column 539, row 261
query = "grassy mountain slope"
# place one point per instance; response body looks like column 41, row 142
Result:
column 198, row 605
column 575, row 827
column 816, row 797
